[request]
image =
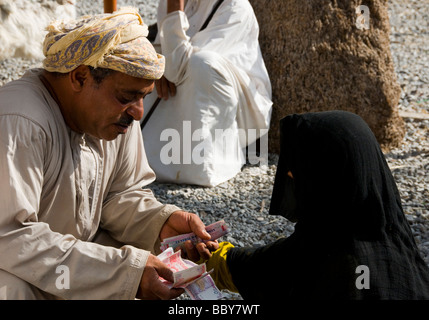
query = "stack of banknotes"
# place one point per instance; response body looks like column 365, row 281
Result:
column 194, row 278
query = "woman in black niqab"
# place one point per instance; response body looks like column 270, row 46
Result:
column 351, row 239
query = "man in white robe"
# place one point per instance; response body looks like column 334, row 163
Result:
column 73, row 168
column 216, row 93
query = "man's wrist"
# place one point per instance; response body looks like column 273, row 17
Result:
column 175, row 5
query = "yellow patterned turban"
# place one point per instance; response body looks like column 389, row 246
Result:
column 115, row 41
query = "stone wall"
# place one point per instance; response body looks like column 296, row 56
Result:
column 321, row 57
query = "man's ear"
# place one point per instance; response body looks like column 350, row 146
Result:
column 78, row 77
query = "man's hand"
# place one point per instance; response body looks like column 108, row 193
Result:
column 165, row 88
column 185, row 222
column 151, row 287
column 175, row 5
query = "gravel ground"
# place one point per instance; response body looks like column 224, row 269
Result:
column 244, row 201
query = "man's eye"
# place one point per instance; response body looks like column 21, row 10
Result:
column 124, row 100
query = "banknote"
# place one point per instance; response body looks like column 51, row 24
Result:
column 184, row 271
column 204, row 289
column 183, row 277
column 194, row 278
column 165, row 254
column 216, row 230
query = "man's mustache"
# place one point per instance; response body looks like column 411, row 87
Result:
column 126, row 120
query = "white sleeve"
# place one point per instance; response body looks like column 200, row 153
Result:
column 231, row 32
column 131, row 213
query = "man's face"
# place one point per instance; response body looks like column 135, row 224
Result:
column 107, row 109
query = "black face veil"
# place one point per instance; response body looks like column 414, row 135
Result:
column 341, row 178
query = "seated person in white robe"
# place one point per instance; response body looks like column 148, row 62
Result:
column 215, row 93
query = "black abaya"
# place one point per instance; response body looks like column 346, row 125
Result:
column 351, row 239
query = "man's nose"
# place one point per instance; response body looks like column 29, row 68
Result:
column 136, row 110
